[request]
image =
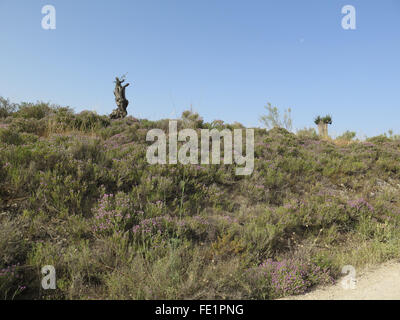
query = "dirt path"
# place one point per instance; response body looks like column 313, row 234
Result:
column 378, row 283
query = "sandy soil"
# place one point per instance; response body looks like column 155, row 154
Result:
column 377, row 283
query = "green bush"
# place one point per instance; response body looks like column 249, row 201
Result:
column 379, row 139
column 88, row 121
column 30, row 110
column 347, row 136
column 29, row 125
column 7, row 108
column 308, row 133
column 10, row 136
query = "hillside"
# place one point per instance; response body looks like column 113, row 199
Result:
column 76, row 192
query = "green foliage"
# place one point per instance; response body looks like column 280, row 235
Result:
column 327, row 120
column 379, row 139
column 347, row 136
column 87, row 121
column 7, row 107
column 76, row 191
column 309, row 133
column 191, row 119
column 13, row 249
column 9, row 136
column 29, row 125
column 273, row 118
column 30, row 110
column 62, row 119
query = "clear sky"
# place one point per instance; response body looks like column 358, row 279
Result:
column 226, row 58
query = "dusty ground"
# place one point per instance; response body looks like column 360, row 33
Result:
column 377, row 283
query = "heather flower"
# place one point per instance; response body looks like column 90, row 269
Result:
column 162, row 226
column 360, row 203
column 112, row 213
column 291, row 277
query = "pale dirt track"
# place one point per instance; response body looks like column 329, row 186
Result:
column 376, row 283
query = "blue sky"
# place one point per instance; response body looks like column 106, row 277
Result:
column 225, row 58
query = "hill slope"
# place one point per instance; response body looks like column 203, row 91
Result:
column 77, row 192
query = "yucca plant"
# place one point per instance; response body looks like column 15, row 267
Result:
column 322, row 123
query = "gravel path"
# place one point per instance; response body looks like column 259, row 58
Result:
column 378, row 283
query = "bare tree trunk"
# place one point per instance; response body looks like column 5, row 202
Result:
column 323, row 130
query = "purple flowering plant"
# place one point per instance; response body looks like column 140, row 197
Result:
column 292, row 277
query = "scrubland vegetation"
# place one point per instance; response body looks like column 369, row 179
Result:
column 77, row 192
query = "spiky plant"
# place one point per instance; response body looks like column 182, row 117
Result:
column 317, row 120
column 327, row 119
column 322, row 124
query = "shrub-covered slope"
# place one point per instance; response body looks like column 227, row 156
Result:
column 76, row 192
